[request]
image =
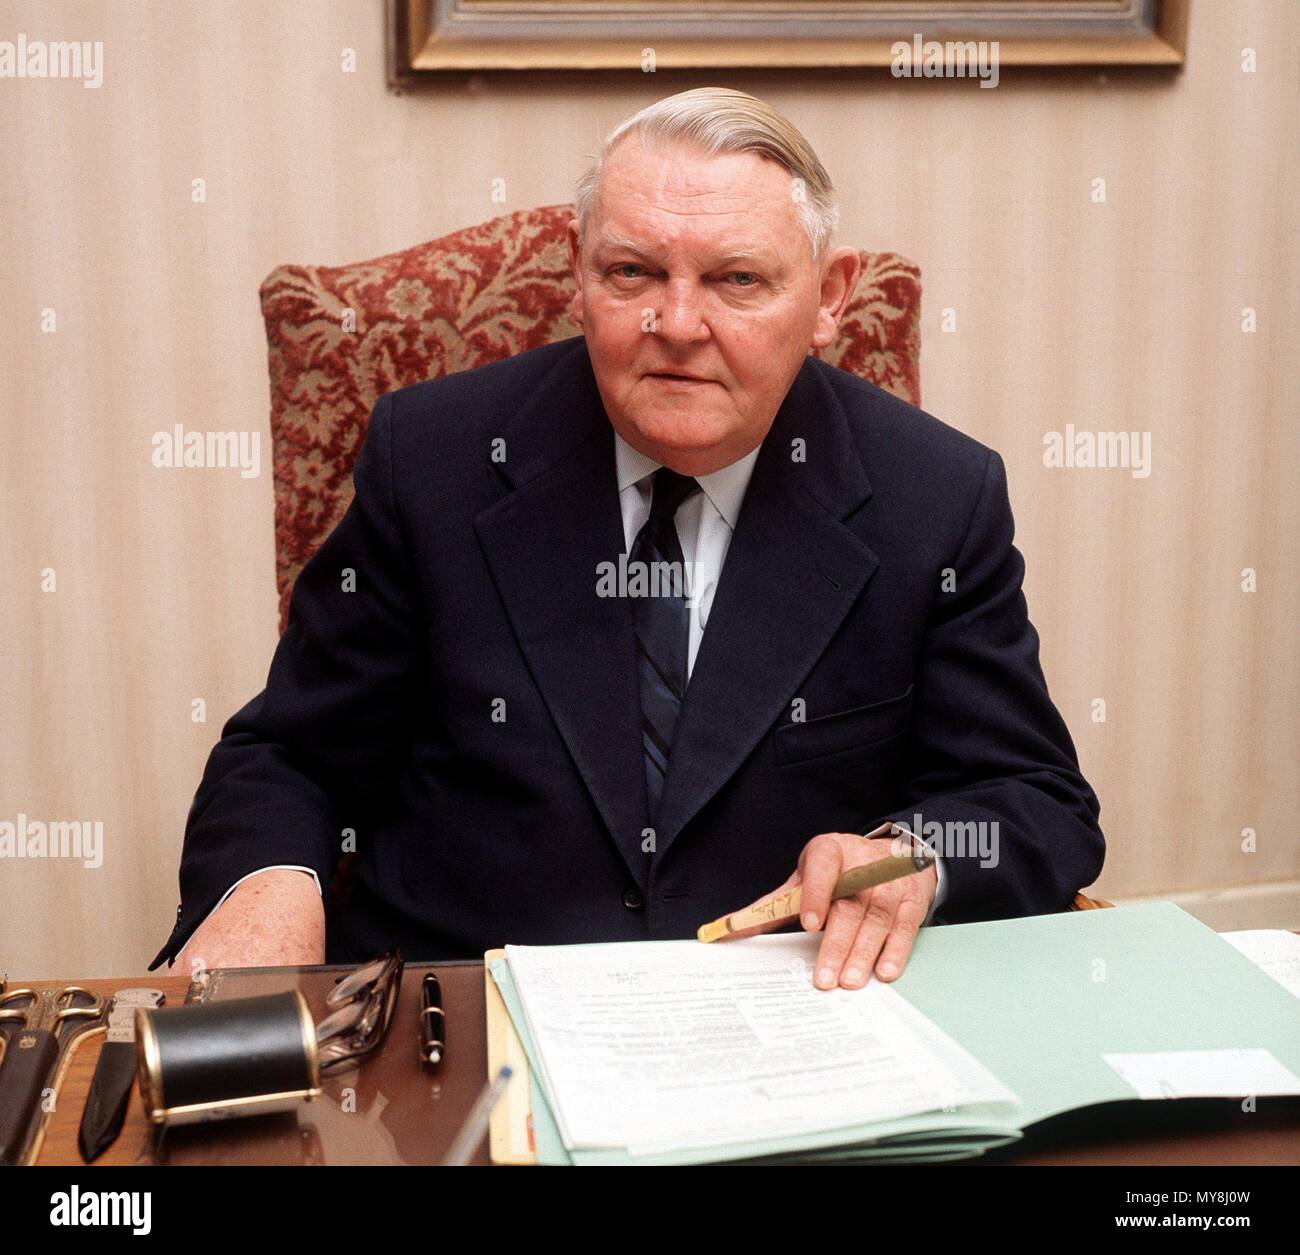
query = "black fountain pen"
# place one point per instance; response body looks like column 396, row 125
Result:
column 432, row 1021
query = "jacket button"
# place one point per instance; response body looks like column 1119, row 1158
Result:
column 178, row 914
column 632, row 900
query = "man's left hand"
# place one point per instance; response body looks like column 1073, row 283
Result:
column 873, row 928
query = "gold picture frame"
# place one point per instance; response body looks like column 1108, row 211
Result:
column 431, row 39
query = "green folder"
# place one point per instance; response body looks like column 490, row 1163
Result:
column 1039, row 1001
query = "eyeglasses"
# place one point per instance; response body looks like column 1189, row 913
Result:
column 362, row 1005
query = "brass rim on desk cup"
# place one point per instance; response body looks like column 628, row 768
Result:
column 148, row 1066
column 310, row 1045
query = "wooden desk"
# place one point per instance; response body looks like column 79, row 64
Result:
column 1187, row 1132
column 391, row 1110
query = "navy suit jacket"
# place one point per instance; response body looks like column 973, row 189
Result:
column 454, row 701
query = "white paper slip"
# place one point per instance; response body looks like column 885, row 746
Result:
column 1273, row 950
column 663, row 1045
column 1204, row 1073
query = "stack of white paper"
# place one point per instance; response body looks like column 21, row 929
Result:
column 670, row 1045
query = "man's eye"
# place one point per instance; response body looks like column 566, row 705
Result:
column 744, row 278
column 621, row 270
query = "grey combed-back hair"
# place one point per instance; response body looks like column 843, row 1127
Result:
column 720, row 120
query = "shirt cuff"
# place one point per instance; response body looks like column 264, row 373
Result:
column 940, row 891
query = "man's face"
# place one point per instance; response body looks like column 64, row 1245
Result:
column 699, row 299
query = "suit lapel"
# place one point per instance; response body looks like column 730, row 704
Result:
column 792, row 572
column 544, row 543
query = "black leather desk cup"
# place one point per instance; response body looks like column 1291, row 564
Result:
column 216, row 1061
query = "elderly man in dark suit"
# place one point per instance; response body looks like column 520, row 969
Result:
column 624, row 632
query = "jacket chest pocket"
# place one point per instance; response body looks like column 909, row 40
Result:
column 855, row 729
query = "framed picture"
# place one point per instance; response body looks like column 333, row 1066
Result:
column 431, row 38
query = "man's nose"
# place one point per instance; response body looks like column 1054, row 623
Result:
column 681, row 315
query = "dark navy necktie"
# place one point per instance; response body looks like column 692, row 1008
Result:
column 663, row 626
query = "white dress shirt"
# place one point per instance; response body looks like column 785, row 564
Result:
column 706, row 522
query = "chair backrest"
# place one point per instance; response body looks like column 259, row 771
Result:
column 341, row 336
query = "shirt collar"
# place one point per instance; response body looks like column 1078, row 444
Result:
column 725, row 488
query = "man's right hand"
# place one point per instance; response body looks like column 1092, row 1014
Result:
column 273, row 919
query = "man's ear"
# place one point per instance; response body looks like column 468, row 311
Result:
column 575, row 264
column 840, row 272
